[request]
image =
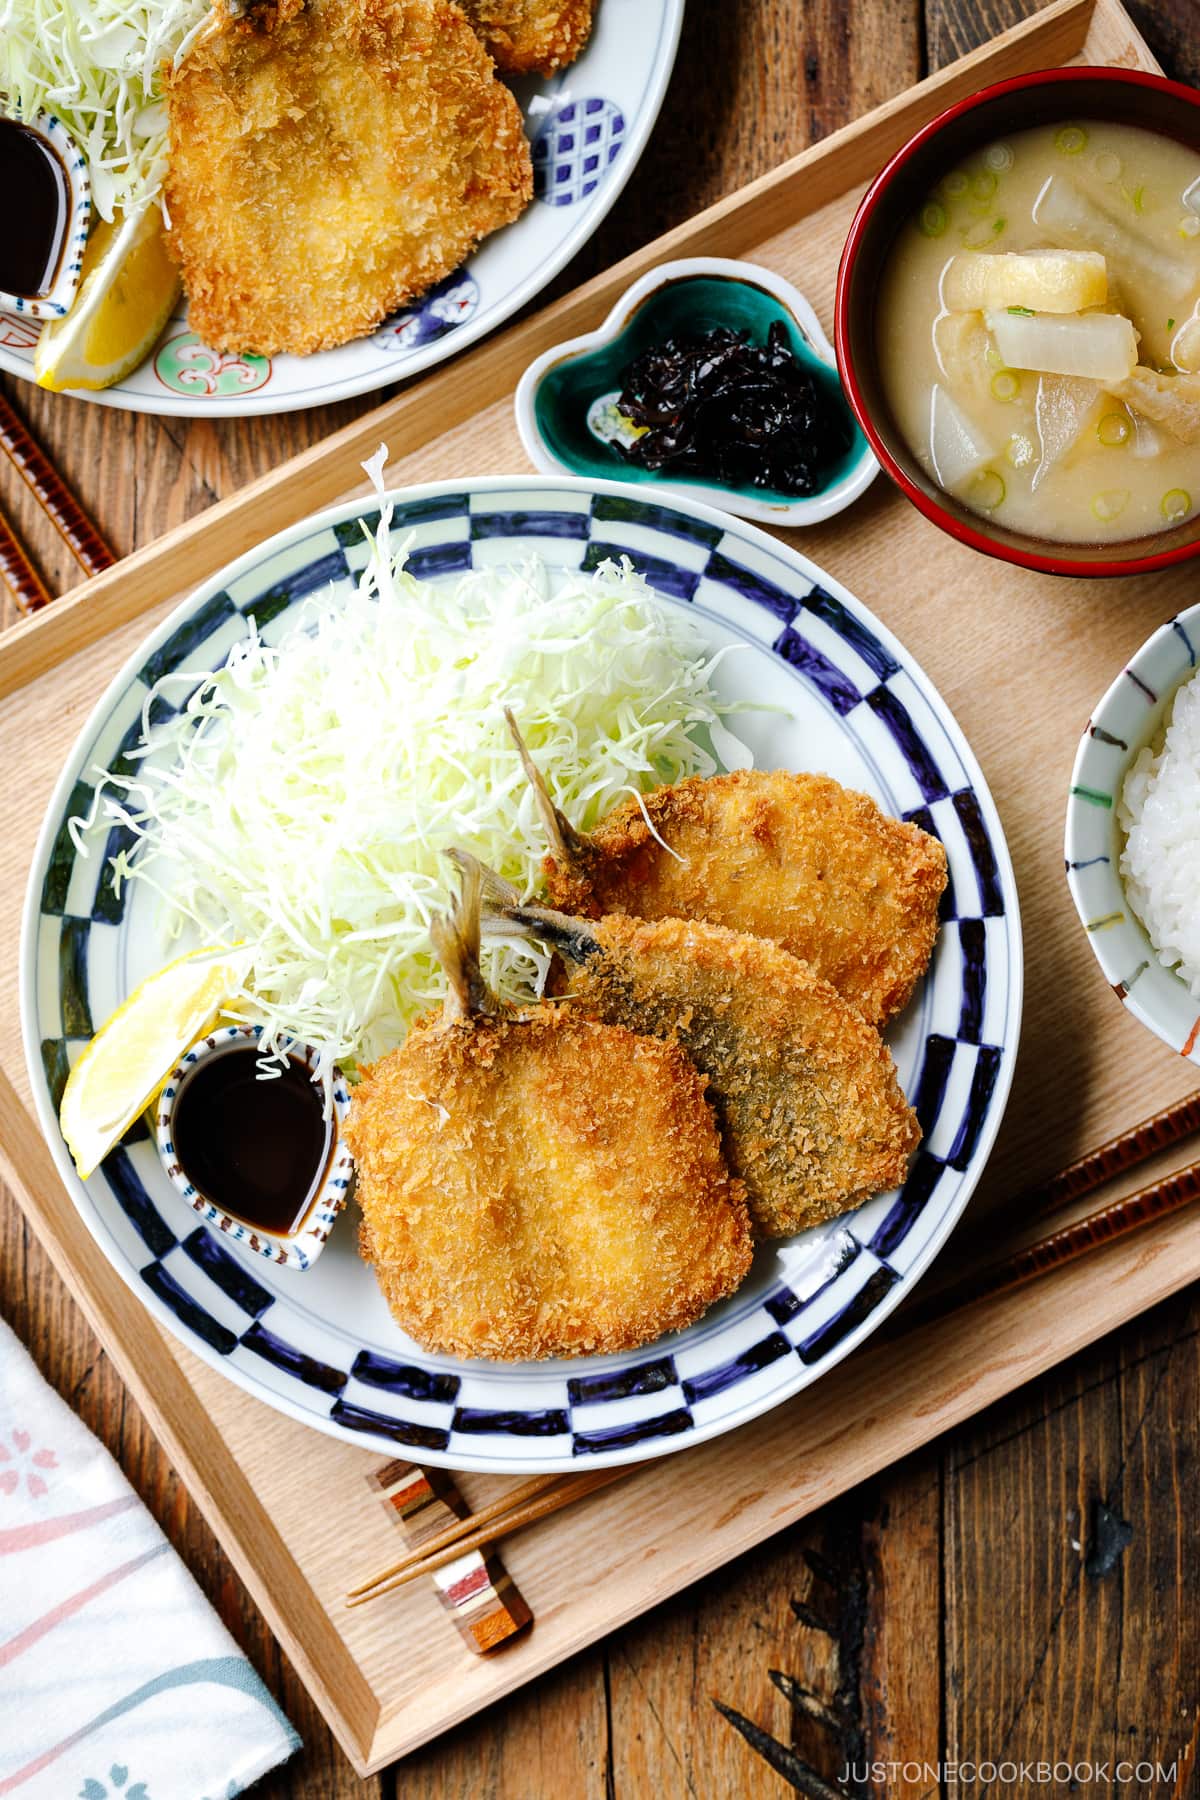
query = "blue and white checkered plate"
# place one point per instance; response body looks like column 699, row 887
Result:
column 320, row 1345
column 588, row 125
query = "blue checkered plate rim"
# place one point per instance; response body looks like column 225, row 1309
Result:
column 588, row 125
column 320, row 1345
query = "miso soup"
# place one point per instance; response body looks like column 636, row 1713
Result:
column 1038, row 332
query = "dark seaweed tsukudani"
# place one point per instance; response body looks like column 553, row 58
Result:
column 726, row 409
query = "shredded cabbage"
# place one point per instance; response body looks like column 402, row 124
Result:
column 98, row 65
column 302, row 800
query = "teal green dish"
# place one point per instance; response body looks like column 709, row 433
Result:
column 564, row 408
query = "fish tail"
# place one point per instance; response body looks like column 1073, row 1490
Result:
column 566, row 844
column 456, row 938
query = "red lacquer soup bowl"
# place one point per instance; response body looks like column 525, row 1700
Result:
column 1050, row 96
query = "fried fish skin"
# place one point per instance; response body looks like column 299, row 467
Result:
column 797, row 858
column 532, row 37
column 331, row 160
column 812, row 1116
column 543, row 1185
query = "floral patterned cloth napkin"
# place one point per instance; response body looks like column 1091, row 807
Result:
column 117, row 1679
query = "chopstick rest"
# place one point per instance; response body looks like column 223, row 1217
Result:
column 476, row 1589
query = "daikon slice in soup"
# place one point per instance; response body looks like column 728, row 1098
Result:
column 1038, row 332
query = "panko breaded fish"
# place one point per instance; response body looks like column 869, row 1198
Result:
column 532, row 37
column 331, row 160
column 800, row 859
column 812, row 1116
column 537, row 1183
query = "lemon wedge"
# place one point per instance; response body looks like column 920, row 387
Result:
column 126, row 295
column 135, row 1050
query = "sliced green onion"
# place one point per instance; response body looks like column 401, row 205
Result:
column 933, row 219
column 1175, row 505
column 1110, row 504
column 986, row 491
column 998, row 157
column 1114, row 430
column 1106, row 165
column 1189, row 227
column 1170, row 324
column 984, row 185
column 955, row 183
column 1006, row 384
column 981, row 233
column 1070, row 140
column 1020, row 312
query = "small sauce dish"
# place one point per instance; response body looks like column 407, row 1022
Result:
column 41, row 256
column 256, row 1158
column 1130, row 717
column 565, row 402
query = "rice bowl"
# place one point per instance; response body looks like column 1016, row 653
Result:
column 1159, row 811
column 1133, row 898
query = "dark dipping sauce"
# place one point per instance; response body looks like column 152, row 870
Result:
column 35, row 222
column 255, row 1147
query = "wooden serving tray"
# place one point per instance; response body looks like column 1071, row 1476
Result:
column 1020, row 659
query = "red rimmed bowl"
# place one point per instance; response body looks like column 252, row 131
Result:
column 1049, row 96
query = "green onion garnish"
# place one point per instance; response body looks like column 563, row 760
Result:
column 933, row 218
column 1110, row 504
column 986, row 491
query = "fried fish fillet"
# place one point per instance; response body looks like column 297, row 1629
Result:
column 330, row 160
column 532, row 37
column 538, row 1183
column 812, row 1116
column 796, row 858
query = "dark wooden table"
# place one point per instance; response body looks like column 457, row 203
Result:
column 1025, row 1590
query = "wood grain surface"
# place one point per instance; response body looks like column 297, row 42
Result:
column 1026, row 1589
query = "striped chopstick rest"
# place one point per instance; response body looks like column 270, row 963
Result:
column 476, row 1590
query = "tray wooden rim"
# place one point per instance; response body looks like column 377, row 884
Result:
column 989, row 1354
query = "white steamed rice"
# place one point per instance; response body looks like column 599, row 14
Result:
column 1159, row 809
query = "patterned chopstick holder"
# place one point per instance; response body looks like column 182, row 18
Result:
column 476, row 1590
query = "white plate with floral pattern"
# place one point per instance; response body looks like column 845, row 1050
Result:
column 588, row 126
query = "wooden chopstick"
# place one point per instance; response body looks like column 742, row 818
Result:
column 1116, row 1157
column 540, row 1498
column 1120, row 1218
column 52, row 494
column 23, row 580
column 559, row 1491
